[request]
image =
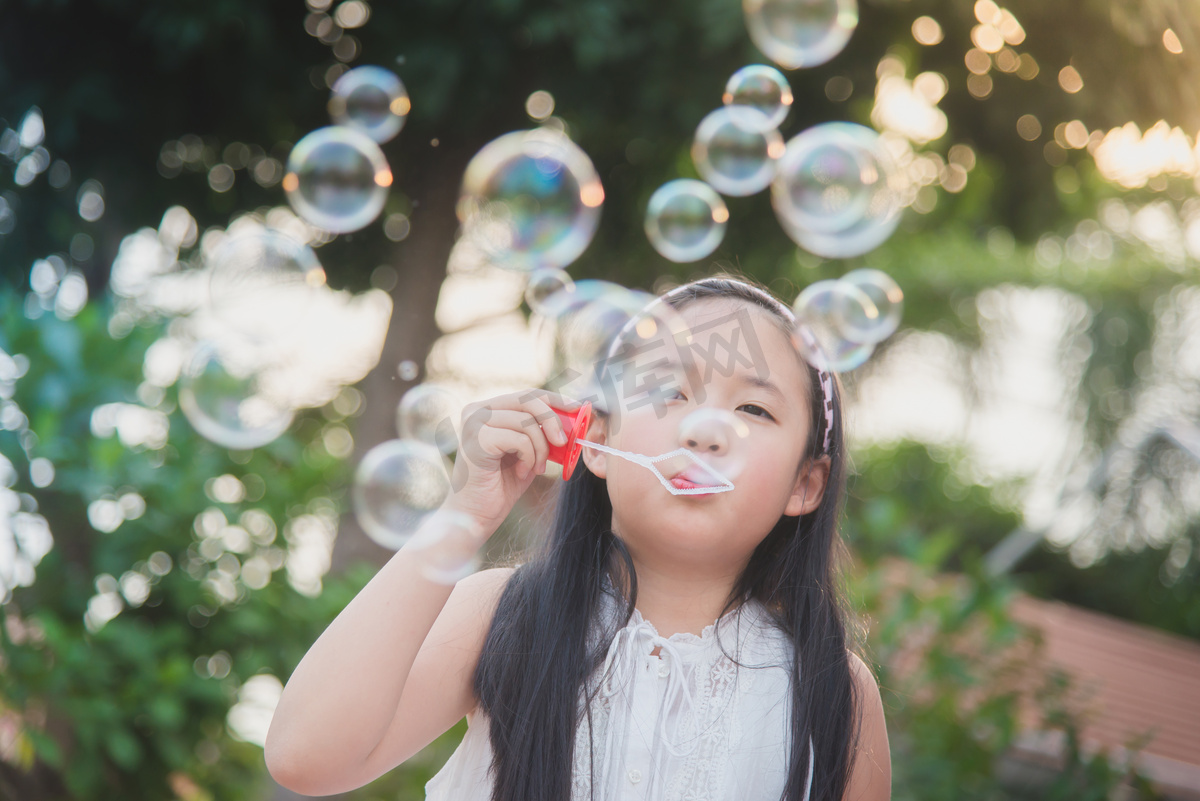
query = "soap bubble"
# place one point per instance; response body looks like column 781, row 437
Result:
column 531, row 199
column 717, row 445
column 223, row 396
column 758, row 88
column 371, row 100
column 577, row 326
column 397, row 485
column 543, row 284
column 685, row 220
column 718, row 437
column 800, row 33
column 448, row 547
column 249, row 264
column 734, row 158
column 429, row 413
column 337, row 179
column 824, row 334
column 887, row 301
column 837, row 191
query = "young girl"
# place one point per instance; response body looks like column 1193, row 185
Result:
column 659, row 646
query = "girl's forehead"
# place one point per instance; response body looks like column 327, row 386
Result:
column 740, row 333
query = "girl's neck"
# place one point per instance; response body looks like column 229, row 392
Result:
column 677, row 600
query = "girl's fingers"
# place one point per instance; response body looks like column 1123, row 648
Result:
column 506, row 441
column 481, row 445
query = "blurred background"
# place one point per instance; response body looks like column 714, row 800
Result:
column 1023, row 506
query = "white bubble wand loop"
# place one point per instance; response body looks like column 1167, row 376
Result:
column 650, row 463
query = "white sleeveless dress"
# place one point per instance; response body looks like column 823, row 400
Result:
column 688, row 724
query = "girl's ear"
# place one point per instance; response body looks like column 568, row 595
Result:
column 596, row 461
column 810, row 487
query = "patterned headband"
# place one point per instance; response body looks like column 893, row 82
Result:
column 826, row 380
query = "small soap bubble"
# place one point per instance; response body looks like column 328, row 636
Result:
column 736, row 159
column 372, row 100
column 544, row 283
column 888, row 303
column 222, row 395
column 531, row 199
column 837, row 191
column 429, row 413
column 800, row 33
column 448, row 547
column 398, row 484
column 337, row 179
column 824, row 335
column 718, row 437
column 408, row 370
column 762, row 89
column 685, row 220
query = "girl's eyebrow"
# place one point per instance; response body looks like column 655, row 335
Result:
column 761, row 383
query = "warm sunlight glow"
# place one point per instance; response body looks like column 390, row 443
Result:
column 1171, row 42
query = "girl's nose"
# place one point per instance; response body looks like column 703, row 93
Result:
column 705, row 439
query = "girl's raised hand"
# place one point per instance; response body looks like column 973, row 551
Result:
column 505, row 442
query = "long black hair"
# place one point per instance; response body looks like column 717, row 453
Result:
column 542, row 646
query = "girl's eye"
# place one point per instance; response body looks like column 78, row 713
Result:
column 756, row 410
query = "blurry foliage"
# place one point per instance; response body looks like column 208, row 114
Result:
column 953, row 667
column 123, row 710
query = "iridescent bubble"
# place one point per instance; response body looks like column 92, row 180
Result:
column 223, row 396
column 397, row 485
column 531, row 199
column 337, row 179
column 371, row 100
column 734, row 158
column 253, row 262
column 448, row 547
column 430, row 413
column 837, row 191
column 718, row 438
column 881, row 320
column 543, row 284
column 800, row 33
column 823, row 335
column 577, row 326
column 758, row 88
column 685, row 220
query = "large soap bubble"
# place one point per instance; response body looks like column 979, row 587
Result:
column 337, row 179
column 734, row 158
column 371, row 100
column 222, row 395
column 685, row 220
column 825, row 334
column 531, row 199
column 836, row 191
column 715, row 437
column 762, row 89
column 800, row 33
column 397, row 485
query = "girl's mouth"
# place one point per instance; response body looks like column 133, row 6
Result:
column 679, row 482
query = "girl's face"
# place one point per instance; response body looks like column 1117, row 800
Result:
column 744, row 364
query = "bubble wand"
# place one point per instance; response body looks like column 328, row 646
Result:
column 575, row 425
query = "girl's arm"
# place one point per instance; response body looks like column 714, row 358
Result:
column 389, row 675
column 395, row 668
column 871, row 773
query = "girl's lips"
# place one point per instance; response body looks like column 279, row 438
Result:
column 679, row 482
